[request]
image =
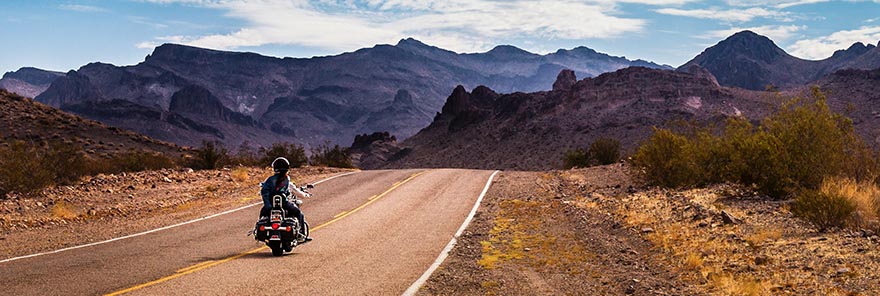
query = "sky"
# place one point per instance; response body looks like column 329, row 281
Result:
column 64, row 35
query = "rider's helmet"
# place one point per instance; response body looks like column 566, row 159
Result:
column 280, row 165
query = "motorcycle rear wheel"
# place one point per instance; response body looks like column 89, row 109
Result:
column 276, row 248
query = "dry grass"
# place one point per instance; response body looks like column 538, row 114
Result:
column 756, row 240
column 865, row 195
column 517, row 236
column 693, row 261
column 240, row 174
column 64, row 210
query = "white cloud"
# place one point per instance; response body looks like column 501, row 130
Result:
column 799, row 2
column 459, row 25
column 823, row 47
column 775, row 33
column 82, row 8
column 730, row 15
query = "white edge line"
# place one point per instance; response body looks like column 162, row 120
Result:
column 445, row 253
column 157, row 229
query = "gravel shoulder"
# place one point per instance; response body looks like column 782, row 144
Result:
column 533, row 235
column 597, row 231
column 108, row 206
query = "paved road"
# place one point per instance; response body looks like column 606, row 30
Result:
column 375, row 233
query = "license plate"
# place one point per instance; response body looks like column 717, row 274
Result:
column 275, row 217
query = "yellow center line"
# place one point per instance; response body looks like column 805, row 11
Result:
column 194, row 266
column 372, row 197
column 208, row 264
column 340, row 214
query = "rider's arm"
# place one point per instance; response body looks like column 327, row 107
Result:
column 296, row 192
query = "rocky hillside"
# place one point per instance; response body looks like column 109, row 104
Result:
column 24, row 119
column 752, row 61
column 28, row 82
column 855, row 93
column 531, row 131
column 186, row 94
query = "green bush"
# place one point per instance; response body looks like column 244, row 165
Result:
column 824, row 210
column 793, row 149
column 209, row 156
column 22, row 168
column 667, row 160
column 604, row 151
column 575, row 158
column 294, row 153
column 337, row 156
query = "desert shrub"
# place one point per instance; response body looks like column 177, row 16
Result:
column 666, row 160
column 22, row 168
column 795, row 148
column 136, row 161
column 824, row 210
column 604, row 151
column 864, row 195
column 245, row 156
column 210, row 155
column 575, row 158
column 294, row 153
column 337, row 156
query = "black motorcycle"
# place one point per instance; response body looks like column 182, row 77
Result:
column 278, row 231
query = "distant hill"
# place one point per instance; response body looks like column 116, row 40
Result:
column 26, row 120
column 531, row 131
column 185, row 94
column 28, row 82
column 752, row 61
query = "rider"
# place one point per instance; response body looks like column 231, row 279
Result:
column 279, row 183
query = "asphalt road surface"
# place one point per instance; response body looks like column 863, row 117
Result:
column 375, row 233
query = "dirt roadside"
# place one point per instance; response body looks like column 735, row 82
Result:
column 596, row 232
column 65, row 216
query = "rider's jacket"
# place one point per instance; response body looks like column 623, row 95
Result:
column 268, row 189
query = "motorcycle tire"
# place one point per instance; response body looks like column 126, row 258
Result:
column 276, row 248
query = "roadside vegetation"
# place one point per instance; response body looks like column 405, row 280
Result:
column 803, row 151
column 602, row 151
column 26, row 167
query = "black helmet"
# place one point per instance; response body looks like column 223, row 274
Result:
column 280, row 165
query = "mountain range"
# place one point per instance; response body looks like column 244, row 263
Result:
column 751, row 61
column 186, row 94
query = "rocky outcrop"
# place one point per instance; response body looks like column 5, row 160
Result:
column 28, row 81
column 565, row 80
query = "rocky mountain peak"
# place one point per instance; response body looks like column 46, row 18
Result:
column 458, row 101
column 508, row 51
column 565, row 80
column 856, row 49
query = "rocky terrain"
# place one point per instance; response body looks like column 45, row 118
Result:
column 531, row 131
column 856, row 94
column 598, row 229
column 65, row 216
column 185, row 94
column 28, row 82
column 26, row 120
column 751, row 61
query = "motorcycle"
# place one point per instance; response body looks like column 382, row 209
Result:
column 278, row 231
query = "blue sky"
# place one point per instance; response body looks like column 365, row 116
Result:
column 64, row 35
